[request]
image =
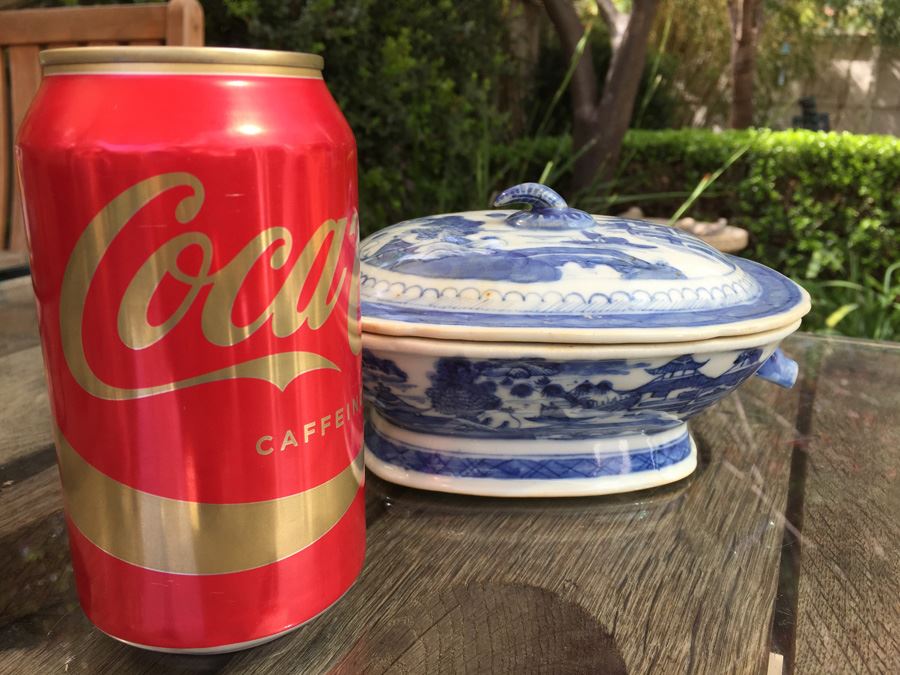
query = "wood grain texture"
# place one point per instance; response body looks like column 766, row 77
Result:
column 677, row 579
column 25, row 425
column 33, row 550
column 682, row 579
column 184, row 23
column 674, row 579
column 24, row 80
column 848, row 610
column 18, row 317
column 529, row 628
column 82, row 24
column 13, row 264
column 33, row 546
column 6, row 162
column 25, row 32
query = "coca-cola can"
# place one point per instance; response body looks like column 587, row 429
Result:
column 192, row 221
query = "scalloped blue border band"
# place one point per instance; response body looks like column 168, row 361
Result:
column 779, row 295
column 557, row 467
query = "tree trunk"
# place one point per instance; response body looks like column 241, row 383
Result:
column 523, row 21
column 620, row 90
column 745, row 24
column 599, row 126
column 582, row 87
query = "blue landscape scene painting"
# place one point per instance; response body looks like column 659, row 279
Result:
column 534, row 398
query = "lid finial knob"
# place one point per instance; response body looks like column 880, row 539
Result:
column 548, row 209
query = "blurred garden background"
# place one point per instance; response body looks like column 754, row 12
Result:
column 678, row 107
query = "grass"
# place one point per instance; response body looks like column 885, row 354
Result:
column 861, row 306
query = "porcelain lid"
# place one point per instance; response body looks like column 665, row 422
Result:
column 556, row 274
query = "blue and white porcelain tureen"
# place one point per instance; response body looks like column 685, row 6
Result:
column 549, row 352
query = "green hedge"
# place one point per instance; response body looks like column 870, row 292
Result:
column 424, row 86
column 813, row 202
column 821, row 208
column 432, row 89
column 416, row 80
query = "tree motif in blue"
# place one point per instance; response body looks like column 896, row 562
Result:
column 670, row 236
column 541, row 398
column 457, row 392
column 445, row 247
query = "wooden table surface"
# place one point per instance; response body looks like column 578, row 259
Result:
column 13, row 264
column 780, row 554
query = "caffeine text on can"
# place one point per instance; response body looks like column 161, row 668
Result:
column 192, row 220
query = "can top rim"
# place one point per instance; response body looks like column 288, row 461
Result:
column 190, row 55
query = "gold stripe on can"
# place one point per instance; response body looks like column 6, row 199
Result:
column 185, row 537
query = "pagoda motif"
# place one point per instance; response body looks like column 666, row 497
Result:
column 683, row 366
column 531, row 398
column 679, row 374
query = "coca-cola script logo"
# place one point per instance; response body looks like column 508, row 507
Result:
column 136, row 332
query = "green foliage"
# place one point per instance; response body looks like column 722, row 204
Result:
column 416, row 81
column 656, row 99
column 878, row 17
column 421, row 83
column 863, row 305
column 821, row 208
column 793, row 35
column 809, row 199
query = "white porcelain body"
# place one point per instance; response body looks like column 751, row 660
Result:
column 550, row 352
column 473, row 276
column 543, row 420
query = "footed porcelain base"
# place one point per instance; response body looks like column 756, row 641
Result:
column 530, row 467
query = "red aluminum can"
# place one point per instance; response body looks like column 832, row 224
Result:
column 192, row 222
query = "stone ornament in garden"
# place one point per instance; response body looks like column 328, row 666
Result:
column 718, row 234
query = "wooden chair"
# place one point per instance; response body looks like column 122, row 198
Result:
column 23, row 33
